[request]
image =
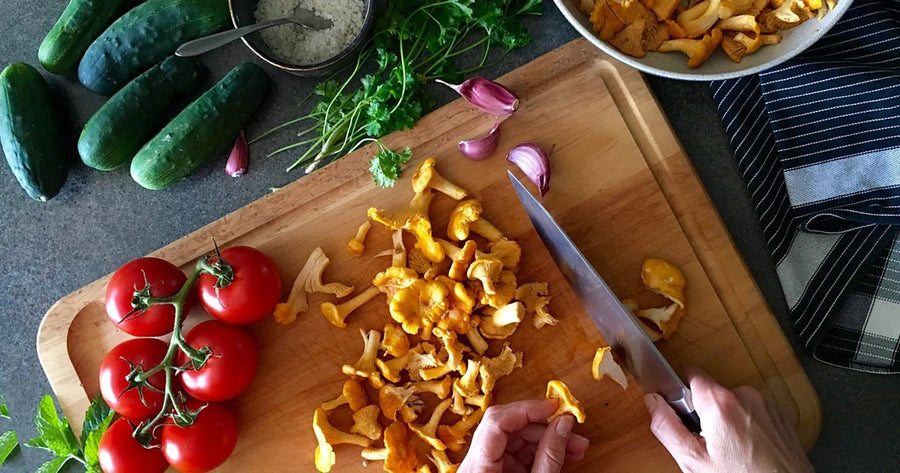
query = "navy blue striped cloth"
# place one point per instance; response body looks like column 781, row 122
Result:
column 817, row 140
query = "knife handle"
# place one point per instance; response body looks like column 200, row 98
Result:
column 690, row 420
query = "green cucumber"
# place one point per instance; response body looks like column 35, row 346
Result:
column 203, row 130
column 80, row 24
column 30, row 134
column 134, row 114
column 145, row 36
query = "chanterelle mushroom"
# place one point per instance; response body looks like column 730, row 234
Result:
column 426, row 176
column 309, row 280
column 398, row 455
column 326, row 436
column 534, row 296
column 352, row 393
column 428, row 432
column 454, row 436
column 499, row 324
column 506, row 251
column 698, row 19
column 357, row 245
column 697, row 50
column 337, row 314
column 392, row 398
column 365, row 422
column 605, row 366
column 567, row 402
column 466, row 217
column 414, row 219
column 665, row 279
column 487, row 271
column 492, row 369
column 395, row 341
column 365, row 366
column 418, row 306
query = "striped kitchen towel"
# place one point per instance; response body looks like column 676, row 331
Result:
column 817, row 140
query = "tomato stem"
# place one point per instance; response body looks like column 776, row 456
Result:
column 221, row 270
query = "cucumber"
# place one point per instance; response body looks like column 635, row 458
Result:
column 30, row 134
column 134, row 114
column 80, row 24
column 145, row 36
column 203, row 130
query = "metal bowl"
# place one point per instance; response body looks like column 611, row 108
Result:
column 242, row 15
column 718, row 66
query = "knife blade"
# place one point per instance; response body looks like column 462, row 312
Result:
column 616, row 323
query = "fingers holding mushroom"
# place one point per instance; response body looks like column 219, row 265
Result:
column 567, row 404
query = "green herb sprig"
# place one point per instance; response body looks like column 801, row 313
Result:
column 56, row 436
column 8, row 440
column 412, row 44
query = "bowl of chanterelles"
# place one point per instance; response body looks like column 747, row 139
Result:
column 703, row 39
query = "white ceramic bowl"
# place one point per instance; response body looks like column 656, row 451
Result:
column 719, row 66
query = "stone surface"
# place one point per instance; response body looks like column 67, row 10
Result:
column 101, row 220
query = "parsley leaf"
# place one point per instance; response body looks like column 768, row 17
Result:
column 387, row 164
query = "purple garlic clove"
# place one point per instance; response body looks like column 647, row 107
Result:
column 480, row 148
column 534, row 162
column 239, row 158
column 487, row 95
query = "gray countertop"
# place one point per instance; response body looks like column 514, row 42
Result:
column 101, row 220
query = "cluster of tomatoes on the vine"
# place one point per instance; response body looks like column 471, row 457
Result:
column 170, row 394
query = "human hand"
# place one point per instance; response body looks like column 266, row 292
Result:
column 742, row 432
column 515, row 437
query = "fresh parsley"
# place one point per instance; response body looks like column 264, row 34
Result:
column 412, row 44
column 387, row 164
column 8, row 440
column 56, row 436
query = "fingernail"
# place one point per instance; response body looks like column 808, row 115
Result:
column 651, row 400
column 564, row 426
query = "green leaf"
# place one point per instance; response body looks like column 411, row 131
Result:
column 97, row 416
column 54, row 433
column 96, row 421
column 387, row 164
column 53, row 466
column 4, row 412
column 8, row 442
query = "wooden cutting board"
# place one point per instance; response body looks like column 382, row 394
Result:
column 621, row 187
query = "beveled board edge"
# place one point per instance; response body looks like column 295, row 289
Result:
column 773, row 355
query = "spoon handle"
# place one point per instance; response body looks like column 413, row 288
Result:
column 208, row 43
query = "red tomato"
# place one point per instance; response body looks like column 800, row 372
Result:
column 165, row 280
column 203, row 445
column 120, row 453
column 231, row 367
column 252, row 294
column 147, row 352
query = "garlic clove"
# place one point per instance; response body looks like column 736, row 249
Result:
column 534, row 162
column 487, row 95
column 480, row 148
column 238, row 160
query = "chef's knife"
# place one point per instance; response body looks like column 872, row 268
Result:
column 617, row 324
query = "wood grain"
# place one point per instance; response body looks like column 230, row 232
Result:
column 621, row 187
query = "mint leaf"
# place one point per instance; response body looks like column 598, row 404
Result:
column 4, row 412
column 97, row 416
column 53, row 466
column 8, row 442
column 96, row 421
column 54, row 433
